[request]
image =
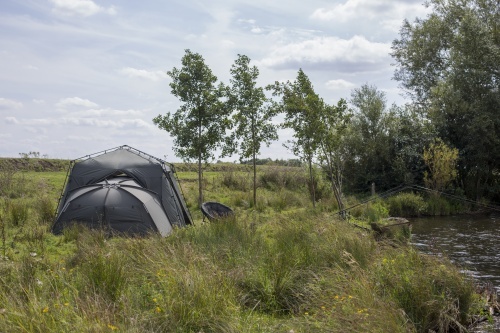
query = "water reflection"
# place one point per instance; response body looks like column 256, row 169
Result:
column 472, row 242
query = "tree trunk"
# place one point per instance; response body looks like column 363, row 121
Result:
column 335, row 187
column 200, row 184
column 254, row 180
column 311, row 178
column 200, row 175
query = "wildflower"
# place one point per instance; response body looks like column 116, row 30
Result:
column 112, row 327
column 158, row 309
column 66, row 304
column 323, row 308
column 45, row 309
column 155, row 300
column 306, row 313
column 336, row 296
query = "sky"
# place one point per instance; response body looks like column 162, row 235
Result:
column 81, row 76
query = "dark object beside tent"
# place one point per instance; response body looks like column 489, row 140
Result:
column 215, row 210
column 122, row 190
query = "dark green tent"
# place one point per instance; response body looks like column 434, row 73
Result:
column 124, row 190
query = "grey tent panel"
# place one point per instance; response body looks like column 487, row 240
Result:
column 124, row 190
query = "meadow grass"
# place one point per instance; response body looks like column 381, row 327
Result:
column 277, row 266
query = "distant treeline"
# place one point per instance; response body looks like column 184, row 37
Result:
column 33, row 164
column 293, row 162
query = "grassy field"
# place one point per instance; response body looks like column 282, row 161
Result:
column 279, row 266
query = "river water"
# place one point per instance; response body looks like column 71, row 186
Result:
column 470, row 241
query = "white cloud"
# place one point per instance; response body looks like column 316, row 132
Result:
column 75, row 102
column 356, row 54
column 8, row 104
column 144, row 74
column 339, row 84
column 91, row 122
column 11, row 120
column 388, row 13
column 111, row 113
column 80, row 7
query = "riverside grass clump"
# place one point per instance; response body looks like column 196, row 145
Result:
column 273, row 268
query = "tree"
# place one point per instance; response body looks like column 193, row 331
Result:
column 441, row 161
column 330, row 136
column 448, row 64
column 252, row 118
column 410, row 132
column 369, row 139
column 301, row 106
column 199, row 125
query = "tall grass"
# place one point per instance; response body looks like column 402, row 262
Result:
column 280, row 266
column 407, row 205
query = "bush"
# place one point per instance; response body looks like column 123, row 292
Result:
column 376, row 211
column 44, row 206
column 18, row 212
column 439, row 206
column 406, row 205
column 280, row 178
column 235, row 181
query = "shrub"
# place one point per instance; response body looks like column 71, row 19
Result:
column 18, row 212
column 280, row 178
column 375, row 211
column 437, row 205
column 284, row 199
column 44, row 206
column 235, row 181
column 406, row 205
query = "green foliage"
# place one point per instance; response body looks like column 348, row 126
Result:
column 433, row 294
column 199, row 125
column 331, row 133
column 45, row 208
column 406, row 205
column 276, row 178
column 373, row 211
column 275, row 267
column 437, row 206
column 253, row 115
column 448, row 64
column 441, row 161
column 301, row 107
column 18, row 211
column 104, row 274
column 235, row 181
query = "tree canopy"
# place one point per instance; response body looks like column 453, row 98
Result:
column 448, row 64
column 252, row 113
column 200, row 124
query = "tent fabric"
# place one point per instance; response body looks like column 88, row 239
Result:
column 124, row 190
